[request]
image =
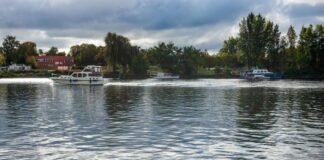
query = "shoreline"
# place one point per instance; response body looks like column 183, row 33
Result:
column 48, row 74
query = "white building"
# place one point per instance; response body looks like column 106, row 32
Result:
column 19, row 67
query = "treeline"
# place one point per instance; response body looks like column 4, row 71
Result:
column 124, row 57
column 261, row 44
column 12, row 51
column 258, row 44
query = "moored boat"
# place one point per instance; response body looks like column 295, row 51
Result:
column 261, row 74
column 90, row 75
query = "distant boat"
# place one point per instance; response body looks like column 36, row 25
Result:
column 261, row 74
column 166, row 76
column 90, row 75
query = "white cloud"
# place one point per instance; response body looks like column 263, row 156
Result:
column 309, row 2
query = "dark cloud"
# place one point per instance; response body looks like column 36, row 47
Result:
column 202, row 23
column 147, row 14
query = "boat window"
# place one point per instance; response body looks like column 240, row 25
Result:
column 74, row 75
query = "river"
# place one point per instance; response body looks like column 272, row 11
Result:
column 150, row 119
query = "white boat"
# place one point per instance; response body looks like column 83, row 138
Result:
column 90, row 75
column 261, row 74
column 166, row 76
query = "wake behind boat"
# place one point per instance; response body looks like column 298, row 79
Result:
column 90, row 75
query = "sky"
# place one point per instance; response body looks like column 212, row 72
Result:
column 204, row 24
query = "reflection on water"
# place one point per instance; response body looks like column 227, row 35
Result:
column 196, row 119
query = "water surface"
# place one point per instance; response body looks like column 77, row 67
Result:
column 149, row 119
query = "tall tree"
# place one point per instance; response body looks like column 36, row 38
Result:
column 319, row 48
column 291, row 54
column 10, row 47
column 118, row 51
column 292, row 37
column 254, row 31
column 272, row 48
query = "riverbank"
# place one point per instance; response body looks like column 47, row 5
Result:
column 49, row 73
column 30, row 74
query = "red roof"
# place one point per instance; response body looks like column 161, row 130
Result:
column 53, row 61
column 55, row 58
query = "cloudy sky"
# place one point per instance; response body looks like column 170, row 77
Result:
column 201, row 23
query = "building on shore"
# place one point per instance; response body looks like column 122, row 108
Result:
column 54, row 62
column 18, row 67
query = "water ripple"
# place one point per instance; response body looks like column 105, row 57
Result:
column 222, row 119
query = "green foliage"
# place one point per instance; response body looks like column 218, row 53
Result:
column 2, row 59
column 87, row 54
column 292, row 37
column 310, row 49
column 118, row 51
column 31, row 61
column 100, row 56
column 139, row 64
column 52, row 51
column 10, row 47
column 165, row 55
column 189, row 61
column 260, row 44
column 256, row 36
column 230, row 46
column 24, row 50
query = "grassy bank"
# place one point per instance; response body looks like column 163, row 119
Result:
column 29, row 74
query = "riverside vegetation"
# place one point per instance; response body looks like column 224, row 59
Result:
column 258, row 44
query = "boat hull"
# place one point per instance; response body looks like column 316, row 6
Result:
column 72, row 81
column 258, row 77
column 166, row 78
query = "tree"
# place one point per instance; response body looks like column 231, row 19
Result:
column 118, row 51
column 31, row 61
column 230, row 46
column 2, row 58
column 139, row 64
column 25, row 50
column 254, row 31
column 291, row 54
column 10, row 47
column 61, row 54
column 319, row 48
column 40, row 52
column 165, row 56
column 100, row 57
column 291, row 34
column 272, row 48
column 75, row 52
column 189, row 60
column 52, row 51
column 88, row 53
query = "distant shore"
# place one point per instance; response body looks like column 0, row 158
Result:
column 47, row 74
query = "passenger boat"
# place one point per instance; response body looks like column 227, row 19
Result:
column 90, row 75
column 261, row 74
column 166, row 76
